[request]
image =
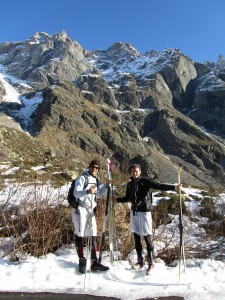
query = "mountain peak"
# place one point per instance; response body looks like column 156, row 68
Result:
column 124, row 48
column 39, row 37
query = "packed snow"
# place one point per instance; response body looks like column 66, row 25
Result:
column 58, row 273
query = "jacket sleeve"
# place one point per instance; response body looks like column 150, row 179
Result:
column 79, row 187
column 161, row 186
column 101, row 190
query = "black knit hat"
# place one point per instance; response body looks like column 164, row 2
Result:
column 94, row 162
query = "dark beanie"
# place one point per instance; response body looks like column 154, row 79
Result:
column 94, row 162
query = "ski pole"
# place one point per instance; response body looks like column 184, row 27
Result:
column 88, row 254
column 102, row 242
column 89, row 246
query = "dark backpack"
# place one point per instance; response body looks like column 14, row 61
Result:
column 72, row 200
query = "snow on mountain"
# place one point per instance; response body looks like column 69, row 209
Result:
column 38, row 38
column 11, row 86
column 116, row 62
column 11, row 94
column 210, row 82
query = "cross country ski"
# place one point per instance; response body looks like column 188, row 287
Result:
column 180, row 225
column 107, row 215
column 111, row 213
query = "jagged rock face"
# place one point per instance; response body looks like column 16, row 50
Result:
column 180, row 137
column 89, row 128
column 42, row 59
column 152, row 80
column 209, row 110
column 178, row 77
column 120, row 103
column 96, row 90
column 207, row 106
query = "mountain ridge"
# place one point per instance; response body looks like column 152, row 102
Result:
column 119, row 103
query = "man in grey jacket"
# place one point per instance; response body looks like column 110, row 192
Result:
column 87, row 189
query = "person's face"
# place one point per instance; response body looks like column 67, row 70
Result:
column 93, row 170
column 135, row 173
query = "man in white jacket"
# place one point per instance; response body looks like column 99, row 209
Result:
column 87, row 189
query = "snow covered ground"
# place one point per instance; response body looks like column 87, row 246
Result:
column 58, row 273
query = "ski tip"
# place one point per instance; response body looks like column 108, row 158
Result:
column 180, row 169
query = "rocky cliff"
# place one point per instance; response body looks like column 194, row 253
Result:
column 160, row 109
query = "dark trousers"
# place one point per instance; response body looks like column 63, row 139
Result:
column 138, row 245
column 80, row 247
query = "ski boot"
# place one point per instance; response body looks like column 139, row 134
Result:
column 97, row 266
column 150, row 264
column 149, row 269
column 82, row 265
column 139, row 264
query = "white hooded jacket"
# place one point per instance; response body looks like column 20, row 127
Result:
column 83, row 218
column 88, row 200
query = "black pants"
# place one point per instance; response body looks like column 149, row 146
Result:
column 138, row 245
column 80, row 248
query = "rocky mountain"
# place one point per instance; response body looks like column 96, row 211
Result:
column 159, row 109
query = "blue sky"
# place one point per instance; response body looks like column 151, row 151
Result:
column 196, row 27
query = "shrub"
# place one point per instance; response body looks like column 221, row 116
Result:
column 39, row 224
column 165, row 207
